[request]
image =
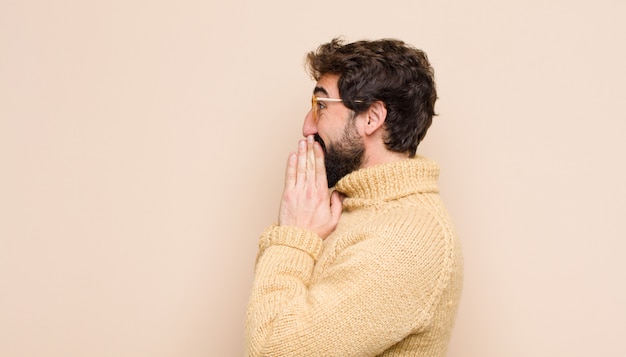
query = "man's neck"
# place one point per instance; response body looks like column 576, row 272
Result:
column 383, row 156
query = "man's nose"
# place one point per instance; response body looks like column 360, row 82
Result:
column 309, row 127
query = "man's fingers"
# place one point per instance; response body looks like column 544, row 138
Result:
column 320, row 168
column 290, row 172
column 301, row 166
column 310, row 160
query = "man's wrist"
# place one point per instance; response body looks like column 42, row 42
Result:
column 292, row 236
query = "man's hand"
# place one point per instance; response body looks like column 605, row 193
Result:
column 306, row 200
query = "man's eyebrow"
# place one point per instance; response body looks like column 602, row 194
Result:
column 319, row 90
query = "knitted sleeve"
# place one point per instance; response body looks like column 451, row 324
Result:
column 381, row 286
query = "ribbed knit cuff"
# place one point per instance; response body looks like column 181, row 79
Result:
column 295, row 237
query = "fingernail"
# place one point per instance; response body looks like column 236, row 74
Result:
column 309, row 138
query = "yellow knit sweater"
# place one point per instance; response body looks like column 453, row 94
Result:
column 386, row 282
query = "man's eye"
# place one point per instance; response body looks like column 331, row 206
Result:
column 321, row 105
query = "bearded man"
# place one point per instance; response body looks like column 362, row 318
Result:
column 364, row 259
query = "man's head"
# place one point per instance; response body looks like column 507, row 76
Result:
column 386, row 78
column 385, row 70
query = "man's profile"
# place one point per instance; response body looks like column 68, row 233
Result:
column 371, row 266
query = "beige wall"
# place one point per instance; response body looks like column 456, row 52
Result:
column 142, row 146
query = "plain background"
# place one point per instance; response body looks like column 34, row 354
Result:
column 143, row 144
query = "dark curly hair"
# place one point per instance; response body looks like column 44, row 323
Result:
column 388, row 70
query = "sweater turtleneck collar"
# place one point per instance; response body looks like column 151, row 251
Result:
column 392, row 180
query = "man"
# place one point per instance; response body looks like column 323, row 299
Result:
column 372, row 267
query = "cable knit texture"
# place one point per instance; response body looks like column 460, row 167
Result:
column 386, row 282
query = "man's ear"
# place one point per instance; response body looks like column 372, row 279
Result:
column 376, row 115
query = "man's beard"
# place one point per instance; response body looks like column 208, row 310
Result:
column 342, row 156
